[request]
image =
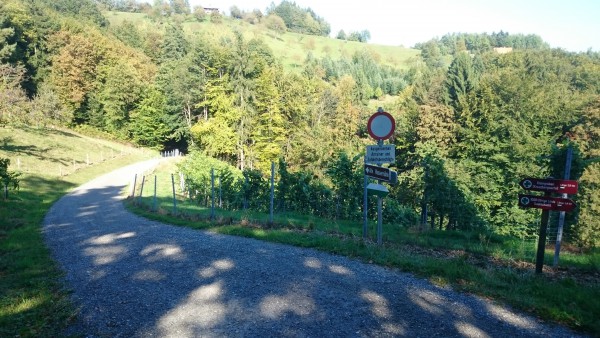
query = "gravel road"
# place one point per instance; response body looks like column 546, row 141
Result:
column 132, row 277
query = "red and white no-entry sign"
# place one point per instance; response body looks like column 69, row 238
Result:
column 381, row 125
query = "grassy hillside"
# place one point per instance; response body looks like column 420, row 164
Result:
column 290, row 48
column 32, row 299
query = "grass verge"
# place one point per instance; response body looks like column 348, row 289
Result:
column 33, row 302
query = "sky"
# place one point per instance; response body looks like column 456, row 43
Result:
column 573, row 25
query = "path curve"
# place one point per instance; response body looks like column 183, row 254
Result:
column 132, row 277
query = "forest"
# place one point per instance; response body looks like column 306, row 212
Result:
column 471, row 121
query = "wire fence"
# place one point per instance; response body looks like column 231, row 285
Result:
column 267, row 200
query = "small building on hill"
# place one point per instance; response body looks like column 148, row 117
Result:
column 211, row 10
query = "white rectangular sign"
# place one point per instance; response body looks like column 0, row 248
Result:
column 381, row 154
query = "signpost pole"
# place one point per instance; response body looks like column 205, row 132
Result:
column 365, row 204
column 561, row 219
column 424, row 200
column 539, row 261
column 142, row 189
column 379, row 208
column 380, row 126
column 272, row 192
column 379, row 221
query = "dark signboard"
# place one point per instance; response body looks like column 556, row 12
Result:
column 546, row 203
column 550, row 185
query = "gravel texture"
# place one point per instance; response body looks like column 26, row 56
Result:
column 132, row 277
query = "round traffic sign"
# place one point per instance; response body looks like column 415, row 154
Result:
column 381, row 125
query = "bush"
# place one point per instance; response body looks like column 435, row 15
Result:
column 216, row 18
column 275, row 23
column 9, row 179
column 199, row 13
column 399, row 214
column 197, row 171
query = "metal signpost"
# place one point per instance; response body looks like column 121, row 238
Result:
column 547, row 203
column 561, row 219
column 381, row 126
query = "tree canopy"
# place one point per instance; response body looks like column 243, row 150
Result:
column 471, row 122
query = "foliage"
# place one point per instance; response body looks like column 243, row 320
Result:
column 199, row 13
column 365, row 70
column 461, row 80
column 454, row 43
column 300, row 20
column 275, row 22
column 197, row 172
column 46, row 108
column 348, row 193
column 362, row 36
column 216, row 18
column 302, row 193
column 148, row 126
column 9, row 179
column 85, row 9
column 587, row 229
column 471, row 122
column 13, row 101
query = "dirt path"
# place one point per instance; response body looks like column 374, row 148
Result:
column 135, row 277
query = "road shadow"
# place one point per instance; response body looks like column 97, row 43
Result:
column 135, row 277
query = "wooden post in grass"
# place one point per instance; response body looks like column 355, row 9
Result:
column 132, row 193
column 5, row 191
column 212, row 193
column 154, row 201
column 182, row 183
column 141, row 190
column 174, row 196
column 245, row 192
column 541, row 249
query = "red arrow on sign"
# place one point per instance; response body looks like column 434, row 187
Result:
column 550, row 185
column 546, row 203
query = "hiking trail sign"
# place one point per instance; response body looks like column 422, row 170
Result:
column 569, row 187
column 546, row 203
column 381, row 173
